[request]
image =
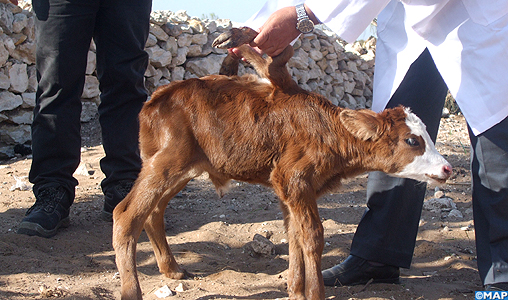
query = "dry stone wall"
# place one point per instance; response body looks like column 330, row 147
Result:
column 179, row 48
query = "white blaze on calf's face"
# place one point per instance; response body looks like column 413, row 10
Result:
column 429, row 167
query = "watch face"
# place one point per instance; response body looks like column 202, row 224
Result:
column 305, row 26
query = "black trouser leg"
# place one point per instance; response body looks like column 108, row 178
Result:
column 121, row 34
column 387, row 231
column 489, row 168
column 61, row 62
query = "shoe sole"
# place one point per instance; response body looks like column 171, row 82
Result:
column 34, row 229
column 387, row 280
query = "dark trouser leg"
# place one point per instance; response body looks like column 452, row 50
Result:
column 489, row 168
column 64, row 32
column 121, row 34
column 388, row 229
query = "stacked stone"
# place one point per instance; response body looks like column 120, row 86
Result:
column 179, row 48
column 339, row 71
column 17, row 76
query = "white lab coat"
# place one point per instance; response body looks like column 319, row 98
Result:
column 468, row 40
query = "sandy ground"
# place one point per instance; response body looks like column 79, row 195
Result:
column 210, row 238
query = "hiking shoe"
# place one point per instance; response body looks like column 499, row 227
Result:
column 355, row 270
column 500, row 286
column 50, row 212
column 113, row 196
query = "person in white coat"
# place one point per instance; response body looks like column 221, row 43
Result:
column 424, row 48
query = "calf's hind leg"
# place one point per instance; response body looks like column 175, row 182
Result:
column 126, row 232
column 154, row 227
column 159, row 174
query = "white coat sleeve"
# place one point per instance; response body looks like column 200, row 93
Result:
column 347, row 18
column 486, row 14
column 270, row 6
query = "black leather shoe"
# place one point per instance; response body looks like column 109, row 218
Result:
column 50, row 212
column 355, row 270
column 500, row 286
column 113, row 196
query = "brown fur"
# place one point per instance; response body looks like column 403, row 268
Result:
column 245, row 129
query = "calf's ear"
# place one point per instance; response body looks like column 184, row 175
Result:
column 363, row 124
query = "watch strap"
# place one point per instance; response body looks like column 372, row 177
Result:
column 300, row 12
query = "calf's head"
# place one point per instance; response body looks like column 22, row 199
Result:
column 398, row 143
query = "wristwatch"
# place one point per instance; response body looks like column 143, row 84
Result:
column 303, row 23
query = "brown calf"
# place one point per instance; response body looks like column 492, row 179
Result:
column 262, row 131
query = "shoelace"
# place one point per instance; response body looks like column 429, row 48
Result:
column 47, row 199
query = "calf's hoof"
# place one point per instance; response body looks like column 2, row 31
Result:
column 234, row 37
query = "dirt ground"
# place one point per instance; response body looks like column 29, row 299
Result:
column 210, row 238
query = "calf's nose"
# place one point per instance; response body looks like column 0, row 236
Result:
column 447, row 170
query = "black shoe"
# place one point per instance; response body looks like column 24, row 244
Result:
column 355, row 270
column 50, row 212
column 500, row 286
column 113, row 196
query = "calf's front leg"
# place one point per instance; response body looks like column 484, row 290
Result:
column 306, row 240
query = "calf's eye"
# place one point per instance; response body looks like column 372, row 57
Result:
column 412, row 142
